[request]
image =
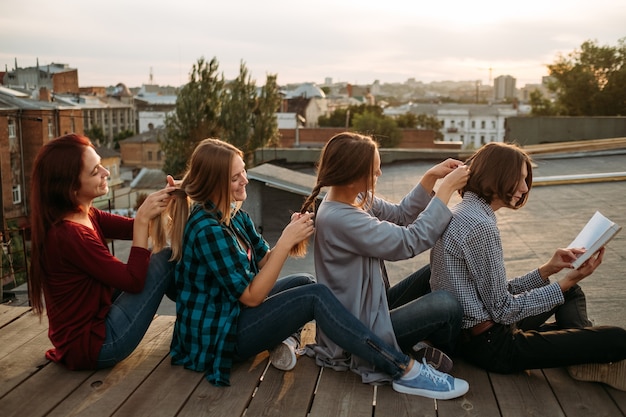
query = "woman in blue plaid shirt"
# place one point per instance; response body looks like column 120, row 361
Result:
column 230, row 305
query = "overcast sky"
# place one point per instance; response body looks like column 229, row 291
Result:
column 356, row 41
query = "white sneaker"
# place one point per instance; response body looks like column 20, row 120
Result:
column 283, row 356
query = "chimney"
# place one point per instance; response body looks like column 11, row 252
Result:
column 44, row 94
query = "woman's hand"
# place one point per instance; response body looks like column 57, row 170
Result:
column 300, row 227
column 154, row 204
column 562, row 258
column 586, row 269
column 440, row 170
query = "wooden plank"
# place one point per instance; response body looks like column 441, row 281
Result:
column 286, row 393
column 390, row 403
column 41, row 392
column 106, row 390
column 525, row 394
column 580, row 399
column 479, row 400
column 10, row 313
column 18, row 332
column 163, row 393
column 23, row 362
column 209, row 400
column 619, row 397
column 342, row 394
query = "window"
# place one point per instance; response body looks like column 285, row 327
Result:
column 50, row 130
column 473, row 124
column 17, row 194
column 482, row 124
column 149, row 155
column 12, row 133
column 462, row 123
column 482, row 139
column 493, row 124
column 159, row 155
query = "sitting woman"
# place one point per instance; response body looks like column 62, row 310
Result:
column 98, row 307
column 504, row 320
column 357, row 231
column 230, row 305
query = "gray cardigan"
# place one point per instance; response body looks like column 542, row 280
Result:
column 350, row 247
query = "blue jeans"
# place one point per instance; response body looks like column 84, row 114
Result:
column 418, row 314
column 131, row 314
column 295, row 301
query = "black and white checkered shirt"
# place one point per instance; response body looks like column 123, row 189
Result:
column 468, row 262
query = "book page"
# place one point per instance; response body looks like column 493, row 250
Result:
column 597, row 232
column 593, row 230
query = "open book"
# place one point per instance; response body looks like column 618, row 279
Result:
column 598, row 231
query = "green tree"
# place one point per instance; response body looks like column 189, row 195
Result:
column 407, row 121
column 238, row 106
column 121, row 136
column 429, row 122
column 541, row 106
column 590, row 81
column 382, row 128
column 344, row 117
column 196, row 115
column 96, row 134
column 265, row 124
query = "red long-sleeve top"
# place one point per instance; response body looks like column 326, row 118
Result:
column 80, row 278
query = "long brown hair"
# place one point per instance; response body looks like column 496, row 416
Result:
column 495, row 173
column 345, row 158
column 54, row 182
column 207, row 179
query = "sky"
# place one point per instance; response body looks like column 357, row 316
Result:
column 354, row 41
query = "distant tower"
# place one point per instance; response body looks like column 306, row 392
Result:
column 151, row 77
column 504, row 88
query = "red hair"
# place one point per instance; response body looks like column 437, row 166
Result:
column 54, row 182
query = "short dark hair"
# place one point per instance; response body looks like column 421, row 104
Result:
column 495, row 173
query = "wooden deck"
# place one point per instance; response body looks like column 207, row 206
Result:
column 146, row 384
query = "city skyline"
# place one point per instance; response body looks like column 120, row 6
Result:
column 357, row 42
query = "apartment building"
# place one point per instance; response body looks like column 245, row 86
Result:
column 472, row 125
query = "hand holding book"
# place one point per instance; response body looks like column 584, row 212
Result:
column 598, row 231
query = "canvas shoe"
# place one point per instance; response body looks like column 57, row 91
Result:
column 283, row 356
column 431, row 383
column 613, row 373
column 434, row 357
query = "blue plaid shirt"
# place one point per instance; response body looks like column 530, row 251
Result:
column 468, row 262
column 211, row 276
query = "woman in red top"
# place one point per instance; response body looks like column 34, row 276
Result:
column 98, row 307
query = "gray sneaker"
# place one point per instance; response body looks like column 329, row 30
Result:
column 283, row 356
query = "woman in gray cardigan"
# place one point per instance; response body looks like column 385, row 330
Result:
column 357, row 231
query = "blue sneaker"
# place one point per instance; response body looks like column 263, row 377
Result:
column 431, row 383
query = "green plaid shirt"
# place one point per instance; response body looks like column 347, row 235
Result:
column 211, row 276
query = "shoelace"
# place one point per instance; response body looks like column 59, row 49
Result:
column 434, row 375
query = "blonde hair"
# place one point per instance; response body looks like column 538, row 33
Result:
column 346, row 157
column 207, row 179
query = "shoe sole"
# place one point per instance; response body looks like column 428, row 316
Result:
column 612, row 374
column 283, row 358
column 435, row 358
